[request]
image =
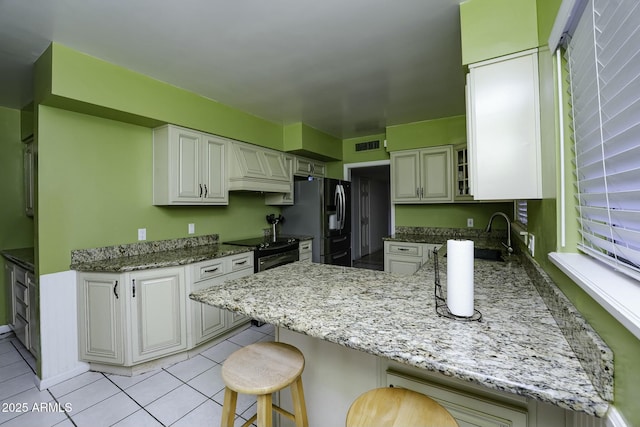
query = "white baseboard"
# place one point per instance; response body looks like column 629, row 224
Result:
column 51, row 381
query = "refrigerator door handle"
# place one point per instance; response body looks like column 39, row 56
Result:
column 338, row 201
column 344, row 207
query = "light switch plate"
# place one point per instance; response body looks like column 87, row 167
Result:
column 192, row 228
column 142, row 234
column 469, row 222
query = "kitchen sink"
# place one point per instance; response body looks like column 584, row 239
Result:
column 487, row 254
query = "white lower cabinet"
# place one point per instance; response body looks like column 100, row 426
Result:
column 158, row 313
column 469, row 410
column 406, row 257
column 208, row 321
column 100, row 317
column 131, row 318
column 306, row 251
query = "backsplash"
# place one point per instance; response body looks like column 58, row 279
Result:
column 595, row 356
column 140, row 248
column 480, row 236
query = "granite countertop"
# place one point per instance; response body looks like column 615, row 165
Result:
column 517, row 346
column 162, row 259
column 24, row 257
column 154, row 254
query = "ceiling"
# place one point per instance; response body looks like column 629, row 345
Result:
column 346, row 67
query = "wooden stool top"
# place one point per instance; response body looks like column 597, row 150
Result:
column 397, row 407
column 262, row 368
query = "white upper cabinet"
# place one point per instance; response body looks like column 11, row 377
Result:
column 254, row 168
column 503, row 118
column 189, row 167
column 305, row 167
column 422, row 176
column 282, row 199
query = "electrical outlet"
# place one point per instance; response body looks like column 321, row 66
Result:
column 531, row 244
column 142, row 234
column 192, row 228
column 469, row 222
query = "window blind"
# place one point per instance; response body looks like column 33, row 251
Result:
column 521, row 212
column 603, row 59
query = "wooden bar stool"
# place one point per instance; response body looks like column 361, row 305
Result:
column 397, row 407
column 262, row 369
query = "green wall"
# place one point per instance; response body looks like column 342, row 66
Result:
column 95, row 189
column 428, row 133
column 16, row 229
column 304, row 140
column 493, row 28
column 71, row 80
column 544, row 223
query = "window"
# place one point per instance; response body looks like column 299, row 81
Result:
column 603, row 60
column 521, row 212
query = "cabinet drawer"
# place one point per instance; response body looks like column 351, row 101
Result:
column 241, row 262
column 404, row 249
column 305, row 246
column 208, row 269
column 21, row 292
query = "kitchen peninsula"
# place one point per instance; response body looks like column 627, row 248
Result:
column 517, row 347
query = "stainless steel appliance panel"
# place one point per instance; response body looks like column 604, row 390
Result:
column 322, row 210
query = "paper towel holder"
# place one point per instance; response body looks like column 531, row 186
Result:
column 441, row 303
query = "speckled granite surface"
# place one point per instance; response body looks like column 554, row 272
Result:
column 517, row 347
column 24, row 257
column 145, row 255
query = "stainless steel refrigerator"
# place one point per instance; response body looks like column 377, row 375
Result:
column 322, row 209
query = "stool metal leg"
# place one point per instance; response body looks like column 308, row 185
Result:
column 265, row 410
column 229, row 408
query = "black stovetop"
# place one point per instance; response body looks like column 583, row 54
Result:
column 264, row 242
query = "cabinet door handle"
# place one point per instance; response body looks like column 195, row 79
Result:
column 241, row 262
column 403, row 249
column 115, row 290
column 134, row 288
column 211, row 270
column 206, row 191
column 417, row 191
column 200, row 191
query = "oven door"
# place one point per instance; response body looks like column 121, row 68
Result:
column 275, row 260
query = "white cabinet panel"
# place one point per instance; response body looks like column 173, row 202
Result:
column 100, row 308
column 158, row 306
column 406, row 257
column 422, row 176
column 468, row 409
column 504, row 128
column 405, row 173
column 254, row 168
column 189, row 167
column 188, row 146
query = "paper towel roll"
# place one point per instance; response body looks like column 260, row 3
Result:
column 460, row 277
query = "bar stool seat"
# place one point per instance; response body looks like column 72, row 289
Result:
column 262, row 369
column 397, row 407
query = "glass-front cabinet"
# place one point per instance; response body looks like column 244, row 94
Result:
column 462, row 188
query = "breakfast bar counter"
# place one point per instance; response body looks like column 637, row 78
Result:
column 517, row 346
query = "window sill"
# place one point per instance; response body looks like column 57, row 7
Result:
column 616, row 292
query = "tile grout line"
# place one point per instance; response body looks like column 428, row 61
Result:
column 138, row 403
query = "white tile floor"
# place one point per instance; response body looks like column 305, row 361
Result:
column 187, row 394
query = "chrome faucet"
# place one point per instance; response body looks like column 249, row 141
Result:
column 508, row 244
